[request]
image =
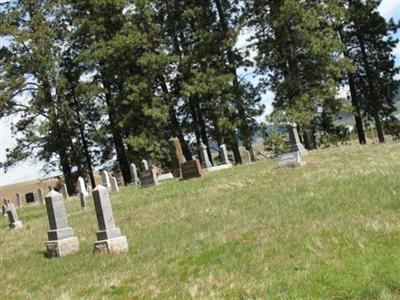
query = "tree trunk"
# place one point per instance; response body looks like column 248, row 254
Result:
column 309, row 140
column 117, row 138
column 243, row 128
column 371, row 95
column 357, row 113
column 203, row 131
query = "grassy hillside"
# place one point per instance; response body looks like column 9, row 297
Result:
column 328, row 230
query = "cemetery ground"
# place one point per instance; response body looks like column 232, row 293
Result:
column 330, row 229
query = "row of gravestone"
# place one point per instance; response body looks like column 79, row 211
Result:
column 61, row 238
column 181, row 167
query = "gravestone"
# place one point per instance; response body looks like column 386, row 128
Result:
column 145, row 164
column 82, row 186
column 109, row 238
column 205, row 160
column 134, row 174
column 114, row 184
column 18, row 200
column 105, row 179
column 177, row 156
column 166, row 176
column 246, row 156
column 290, row 160
column 223, row 155
column 294, row 140
column 82, row 200
column 61, row 236
column 40, row 196
column 148, row 178
column 15, row 223
column 64, row 191
column 4, row 210
column 191, row 169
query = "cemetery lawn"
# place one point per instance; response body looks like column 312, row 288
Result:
column 328, row 230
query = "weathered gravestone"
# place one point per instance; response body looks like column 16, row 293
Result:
column 246, row 156
column 294, row 140
column 191, row 169
column 223, row 155
column 109, row 238
column 64, row 191
column 82, row 200
column 177, row 156
column 166, row 176
column 134, row 174
column 114, row 184
column 82, row 186
column 40, row 196
column 18, row 200
column 105, row 179
column 4, row 210
column 290, row 160
column 61, row 237
column 148, row 178
column 15, row 223
column 145, row 165
column 205, row 160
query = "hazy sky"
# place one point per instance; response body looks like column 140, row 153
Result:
column 30, row 170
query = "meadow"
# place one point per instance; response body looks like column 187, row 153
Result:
column 327, row 230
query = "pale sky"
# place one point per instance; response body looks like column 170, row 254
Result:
column 30, row 170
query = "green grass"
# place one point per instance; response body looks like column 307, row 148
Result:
column 328, row 230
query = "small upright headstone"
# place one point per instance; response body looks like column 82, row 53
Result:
column 246, row 156
column 82, row 186
column 4, row 210
column 294, row 140
column 148, row 178
column 145, row 164
column 177, row 156
column 290, row 160
column 223, row 155
column 134, row 174
column 64, row 191
column 109, row 238
column 61, row 236
column 191, row 169
column 82, row 200
column 40, row 196
column 105, row 179
column 18, row 200
column 114, row 184
column 205, row 160
column 15, row 223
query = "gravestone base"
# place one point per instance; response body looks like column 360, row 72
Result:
column 114, row 245
column 219, row 168
column 62, row 247
column 167, row 176
column 300, row 148
column 15, row 225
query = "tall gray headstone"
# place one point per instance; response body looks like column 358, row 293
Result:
column 223, row 155
column 205, row 160
column 105, row 179
column 82, row 186
column 114, row 184
column 145, row 165
column 40, row 196
column 61, row 236
column 294, row 140
column 15, row 223
column 134, row 174
column 109, row 238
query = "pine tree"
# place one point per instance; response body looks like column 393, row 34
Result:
column 33, row 87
